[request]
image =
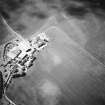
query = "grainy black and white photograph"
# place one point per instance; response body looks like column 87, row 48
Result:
column 52, row 52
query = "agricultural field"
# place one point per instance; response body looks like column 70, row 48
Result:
column 70, row 71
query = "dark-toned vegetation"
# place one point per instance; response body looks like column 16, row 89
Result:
column 9, row 6
column 71, row 7
column 81, row 7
